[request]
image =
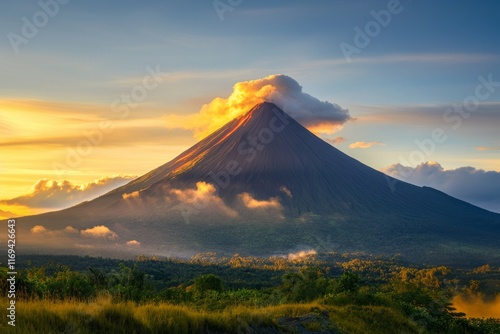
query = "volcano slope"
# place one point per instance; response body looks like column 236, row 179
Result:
column 263, row 184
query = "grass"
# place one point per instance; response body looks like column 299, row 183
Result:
column 103, row 316
column 372, row 319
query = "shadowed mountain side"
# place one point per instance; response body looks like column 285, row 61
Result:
column 270, row 185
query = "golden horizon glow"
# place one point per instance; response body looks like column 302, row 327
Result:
column 37, row 134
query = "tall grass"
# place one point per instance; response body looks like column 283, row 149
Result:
column 104, row 316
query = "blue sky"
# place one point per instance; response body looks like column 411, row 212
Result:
column 91, row 42
column 398, row 87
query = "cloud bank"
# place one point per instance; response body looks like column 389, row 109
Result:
column 203, row 199
column 49, row 194
column 318, row 116
column 204, row 202
column 70, row 237
column 472, row 185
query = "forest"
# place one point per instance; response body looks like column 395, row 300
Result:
column 302, row 293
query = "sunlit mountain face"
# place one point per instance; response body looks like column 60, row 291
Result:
column 263, row 184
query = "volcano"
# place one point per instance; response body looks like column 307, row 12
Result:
column 263, row 184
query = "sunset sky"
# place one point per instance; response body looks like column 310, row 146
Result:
column 67, row 68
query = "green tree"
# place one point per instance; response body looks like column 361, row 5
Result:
column 173, row 295
column 130, row 284
column 98, row 279
column 203, row 284
column 305, row 285
column 348, row 282
column 69, row 284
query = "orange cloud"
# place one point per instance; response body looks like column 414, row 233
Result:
column 132, row 195
column 100, row 231
column 252, row 203
column 488, row 148
column 335, row 141
column 37, row 229
column 204, row 202
column 324, row 128
column 70, row 229
column 362, row 144
column 133, row 243
column 270, row 209
column 134, row 200
column 50, row 194
column 203, row 199
column 282, row 90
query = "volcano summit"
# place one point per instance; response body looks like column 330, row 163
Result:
column 263, row 184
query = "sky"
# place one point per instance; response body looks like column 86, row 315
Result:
column 95, row 93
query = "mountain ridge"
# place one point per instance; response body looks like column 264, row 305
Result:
column 266, row 175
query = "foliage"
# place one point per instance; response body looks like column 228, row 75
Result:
column 305, row 285
column 207, row 283
column 143, row 296
column 129, row 284
column 348, row 282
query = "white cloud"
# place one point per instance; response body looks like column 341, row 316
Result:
column 304, row 254
column 476, row 186
column 286, row 191
column 318, row 116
